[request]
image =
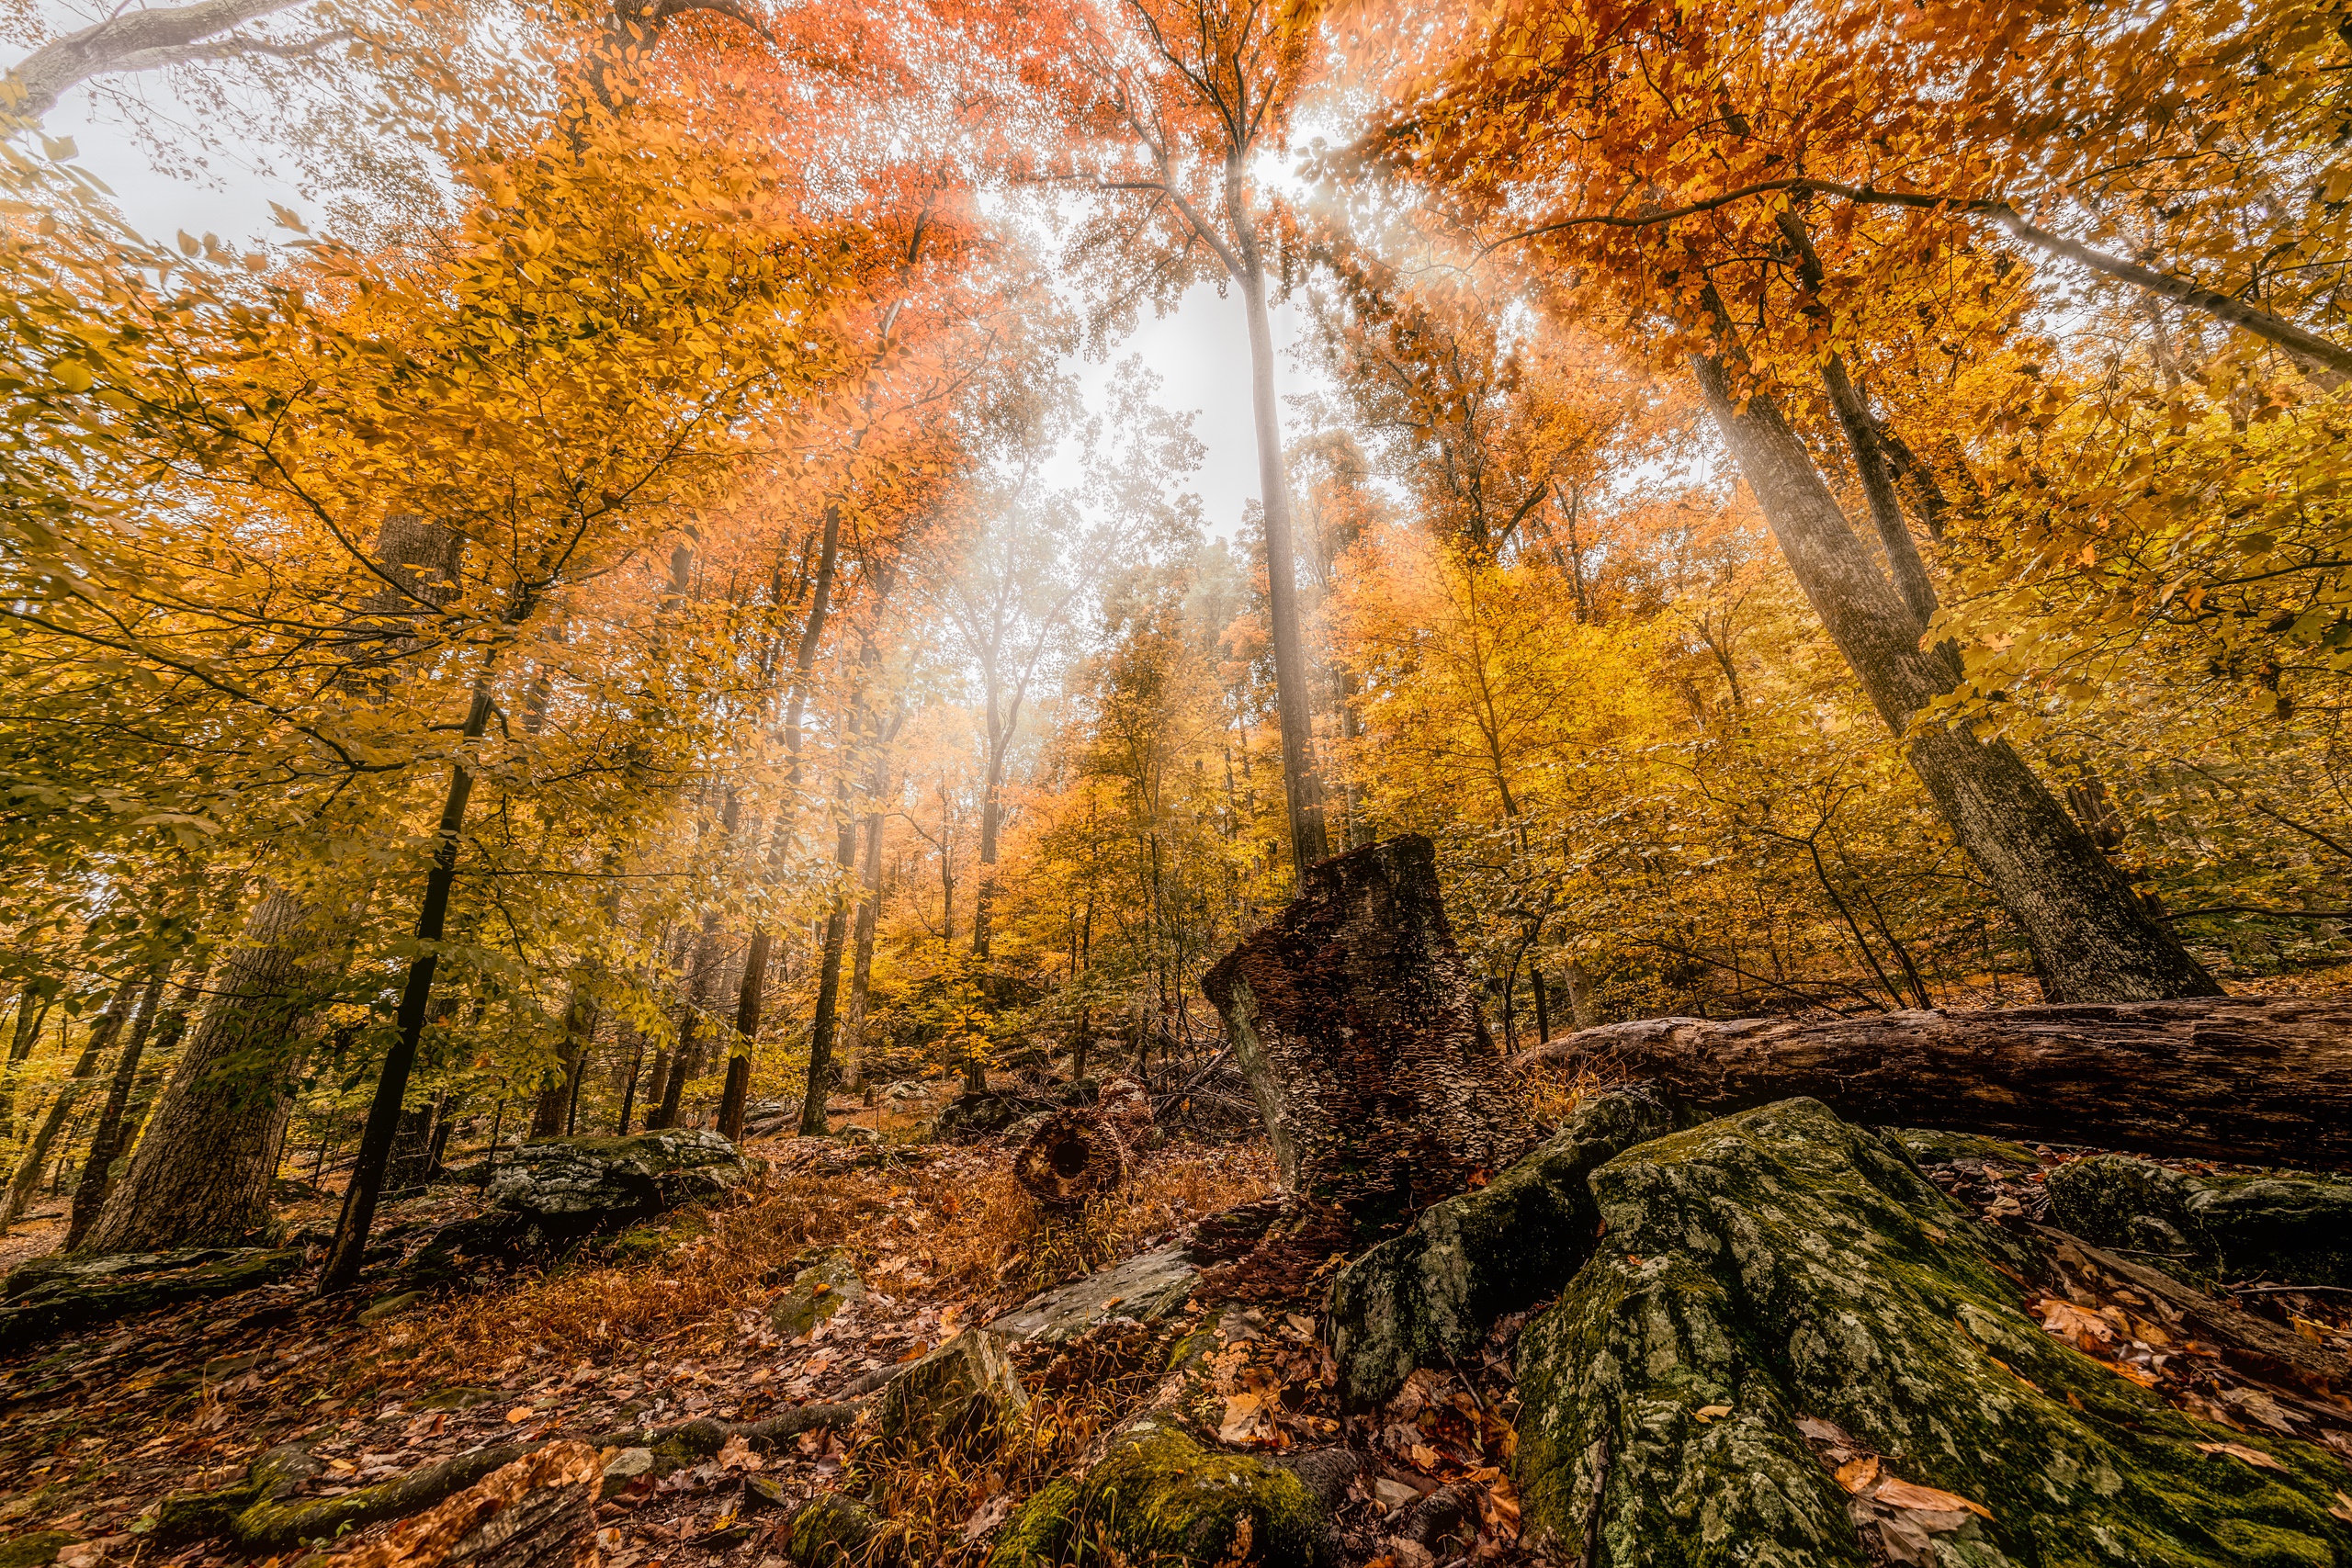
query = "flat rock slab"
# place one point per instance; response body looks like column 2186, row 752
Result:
column 47, row 1296
column 824, row 1281
column 1779, row 1289
column 1147, row 1286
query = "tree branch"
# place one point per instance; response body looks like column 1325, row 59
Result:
column 110, row 46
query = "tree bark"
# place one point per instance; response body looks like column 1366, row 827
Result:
column 103, row 1031
column 1074, row 1156
column 2091, row 937
column 539, row 1511
column 1356, row 1022
column 106, row 1142
column 2266, row 1080
column 200, row 1175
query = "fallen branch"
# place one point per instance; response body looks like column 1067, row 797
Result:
column 2266, row 1080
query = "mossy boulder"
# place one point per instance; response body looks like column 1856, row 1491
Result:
column 1431, row 1294
column 552, row 1195
column 2279, row 1225
column 951, row 1395
column 1157, row 1495
column 1775, row 1277
column 62, row 1294
column 824, row 1280
column 1148, row 1287
column 831, row 1532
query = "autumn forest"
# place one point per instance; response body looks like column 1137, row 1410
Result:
column 691, row 879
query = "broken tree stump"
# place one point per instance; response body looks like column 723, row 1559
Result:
column 2263, row 1080
column 1076, row 1154
column 538, row 1512
column 1356, row 1022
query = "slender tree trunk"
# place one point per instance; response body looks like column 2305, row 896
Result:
column 1303, row 787
column 629, row 1094
column 383, row 1115
column 813, row 1123
column 97, row 1172
column 103, row 1031
column 2091, row 937
column 199, row 1174
column 410, row 1161
column 861, row 970
column 27, row 1030
column 692, row 1027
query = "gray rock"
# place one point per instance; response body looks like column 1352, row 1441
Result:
column 1779, row 1289
column 554, row 1194
column 1147, row 1286
column 2278, row 1225
column 831, row 1532
column 1429, row 1295
column 951, row 1395
column 824, row 1281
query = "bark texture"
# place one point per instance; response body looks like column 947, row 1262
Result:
column 1074, row 1156
column 1357, row 1024
column 2266, row 1080
column 201, row 1173
column 2092, row 938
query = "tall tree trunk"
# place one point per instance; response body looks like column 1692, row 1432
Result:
column 828, row 983
column 2091, row 937
column 1303, row 787
column 861, row 969
column 103, row 1031
column 106, row 1143
column 367, row 1186
column 201, row 1174
column 20, row 1046
column 693, row 1027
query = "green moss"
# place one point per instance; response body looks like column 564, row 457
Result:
column 1158, row 1497
column 831, row 1531
column 1781, row 1265
column 1931, row 1146
column 35, row 1549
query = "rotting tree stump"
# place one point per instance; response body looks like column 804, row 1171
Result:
column 1356, row 1022
column 2265, row 1080
column 1074, row 1156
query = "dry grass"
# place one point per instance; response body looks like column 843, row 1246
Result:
column 967, row 1230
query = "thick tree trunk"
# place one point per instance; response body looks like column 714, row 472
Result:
column 200, row 1175
column 2092, row 938
column 1303, row 786
column 1356, row 1022
column 103, row 1031
column 106, row 1142
column 2266, row 1080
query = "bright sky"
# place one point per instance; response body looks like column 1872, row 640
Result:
column 1201, row 350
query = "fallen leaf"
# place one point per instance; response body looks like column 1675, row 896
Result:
column 991, row 1514
column 1925, row 1499
column 1709, row 1412
column 2343, row 1509
column 736, row 1453
column 521, row 1413
column 2255, row 1456
column 1393, row 1494
column 2079, row 1326
column 1820, row 1431
column 1858, row 1475
column 1245, row 1420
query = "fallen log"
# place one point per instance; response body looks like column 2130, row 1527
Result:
column 538, row 1512
column 1356, row 1022
column 2264, row 1080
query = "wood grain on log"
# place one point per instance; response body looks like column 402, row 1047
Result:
column 1357, row 1023
column 538, row 1512
column 1076, row 1154
column 2265, row 1080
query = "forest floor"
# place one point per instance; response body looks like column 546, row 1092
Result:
column 671, row 1322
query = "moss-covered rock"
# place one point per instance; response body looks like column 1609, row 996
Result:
column 831, row 1532
column 1157, row 1495
column 2277, row 1224
column 62, row 1294
column 1780, row 1267
column 1431, row 1293
column 551, row 1195
column 951, row 1395
column 824, row 1280
column 1971, row 1151
column 35, row 1549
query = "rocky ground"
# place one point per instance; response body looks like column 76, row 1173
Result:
column 1633, row 1333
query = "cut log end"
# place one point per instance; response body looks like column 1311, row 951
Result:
column 1074, row 1156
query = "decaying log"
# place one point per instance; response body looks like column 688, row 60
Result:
column 1357, row 1023
column 538, row 1512
column 1074, row 1156
column 2265, row 1080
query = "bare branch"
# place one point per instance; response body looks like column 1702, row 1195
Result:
column 112, row 45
